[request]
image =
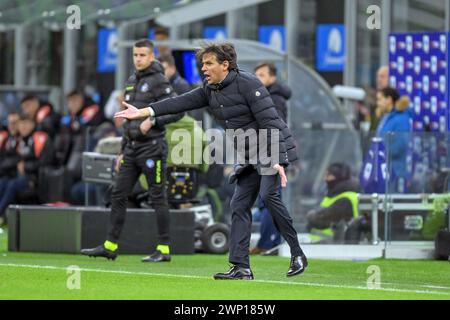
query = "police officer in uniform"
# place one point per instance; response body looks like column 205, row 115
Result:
column 143, row 151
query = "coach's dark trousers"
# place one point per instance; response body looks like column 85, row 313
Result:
column 248, row 185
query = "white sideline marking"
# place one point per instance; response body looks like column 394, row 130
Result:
column 210, row 278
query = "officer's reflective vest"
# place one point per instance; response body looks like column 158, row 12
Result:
column 321, row 234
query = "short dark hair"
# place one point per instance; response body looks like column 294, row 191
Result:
column 269, row 65
column 167, row 58
column 144, row 43
column 223, row 52
column 28, row 97
column 390, row 92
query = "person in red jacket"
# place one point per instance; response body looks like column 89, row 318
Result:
column 9, row 139
column 238, row 100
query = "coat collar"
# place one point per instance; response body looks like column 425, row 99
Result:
column 154, row 67
column 225, row 82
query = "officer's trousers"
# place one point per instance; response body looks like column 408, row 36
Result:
column 248, row 185
column 149, row 159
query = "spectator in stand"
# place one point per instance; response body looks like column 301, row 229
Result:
column 376, row 113
column 280, row 93
column 394, row 129
column 9, row 158
column 162, row 34
column 340, row 205
column 77, row 133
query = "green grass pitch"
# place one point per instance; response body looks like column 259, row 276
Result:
column 45, row 276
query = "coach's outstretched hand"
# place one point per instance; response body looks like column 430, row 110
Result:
column 131, row 112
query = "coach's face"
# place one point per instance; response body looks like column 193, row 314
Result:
column 214, row 71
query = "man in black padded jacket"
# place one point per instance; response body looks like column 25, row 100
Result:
column 238, row 100
column 144, row 150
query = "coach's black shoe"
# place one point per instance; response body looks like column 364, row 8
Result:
column 157, row 256
column 298, row 265
column 100, row 251
column 235, row 273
